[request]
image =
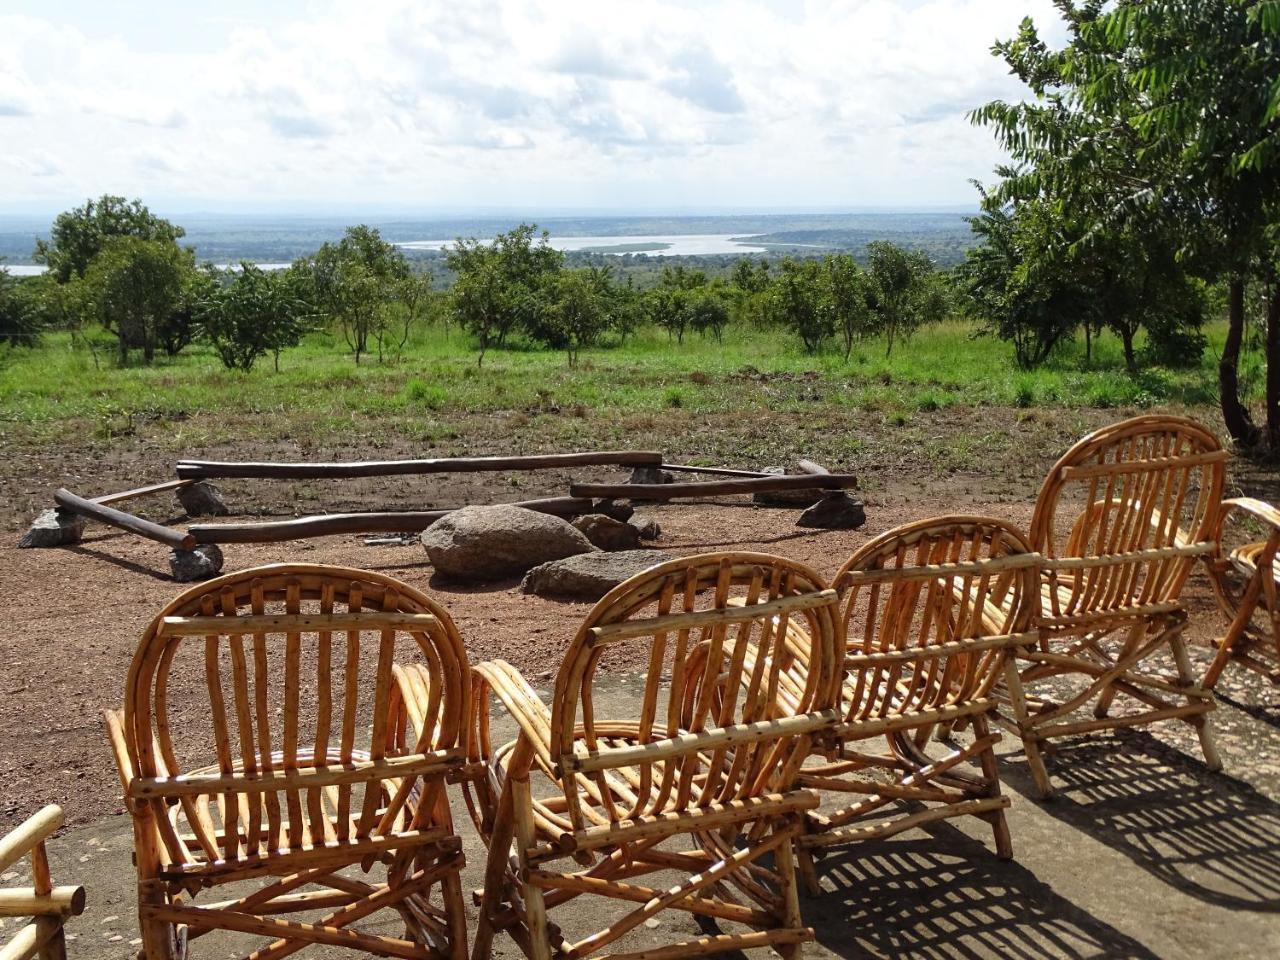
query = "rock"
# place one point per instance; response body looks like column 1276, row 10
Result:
column 786, row 498
column 608, row 533
column 838, row 511
column 203, row 562
column 648, row 527
column 54, row 528
column 202, row 499
column 488, row 543
column 618, row 509
column 589, row 576
column 650, row 475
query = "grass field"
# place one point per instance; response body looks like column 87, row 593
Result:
column 943, row 403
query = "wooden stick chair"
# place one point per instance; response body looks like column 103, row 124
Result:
column 47, row 906
column 580, row 804
column 931, row 614
column 1245, row 580
column 1120, row 520
column 265, row 768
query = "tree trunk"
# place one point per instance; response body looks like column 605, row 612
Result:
column 1273, row 369
column 1088, row 344
column 1235, row 414
column 1130, row 361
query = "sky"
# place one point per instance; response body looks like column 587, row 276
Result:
column 472, row 105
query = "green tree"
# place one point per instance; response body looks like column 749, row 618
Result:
column 903, row 294
column 578, row 311
column 360, row 283
column 19, row 317
column 849, row 293
column 254, row 313
column 1158, row 122
column 133, row 286
column 79, row 234
column 797, row 300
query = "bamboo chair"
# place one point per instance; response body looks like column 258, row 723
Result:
column 47, row 906
column 1244, row 580
column 931, row 614
column 1120, row 520
column 580, row 804
column 282, row 762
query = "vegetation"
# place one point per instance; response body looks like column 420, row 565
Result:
column 1149, row 159
column 255, row 313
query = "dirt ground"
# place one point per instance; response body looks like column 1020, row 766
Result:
column 1144, row 854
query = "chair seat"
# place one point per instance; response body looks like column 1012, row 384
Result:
column 1245, row 560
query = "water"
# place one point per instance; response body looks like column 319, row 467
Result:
column 653, row 245
column 35, row 269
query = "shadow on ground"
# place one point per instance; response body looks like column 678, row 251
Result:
column 1209, row 835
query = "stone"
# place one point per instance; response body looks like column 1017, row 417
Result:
column 786, row 498
column 589, row 576
column 838, row 511
column 479, row 544
column 650, row 475
column 54, row 528
column 203, row 562
column 648, row 527
column 618, row 509
column 607, row 533
column 202, row 499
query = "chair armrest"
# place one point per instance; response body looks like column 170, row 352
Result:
column 512, row 690
column 114, row 720
column 1258, row 509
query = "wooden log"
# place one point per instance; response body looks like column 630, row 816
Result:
column 176, row 539
column 814, row 469
column 142, row 491
column 713, row 488
column 713, row 471
column 273, row 531
column 207, row 469
column 18, row 842
column 58, row 902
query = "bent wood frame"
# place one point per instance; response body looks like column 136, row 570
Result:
column 47, row 906
column 1148, row 490
column 296, row 798
column 583, row 804
column 1244, row 581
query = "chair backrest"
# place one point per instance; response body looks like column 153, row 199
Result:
column 268, row 690
column 929, row 610
column 1123, row 515
column 711, row 629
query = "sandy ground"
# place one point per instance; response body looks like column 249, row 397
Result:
column 1144, row 853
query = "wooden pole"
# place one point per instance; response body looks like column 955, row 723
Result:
column 125, row 521
column 202, row 470
column 714, row 488
column 714, row 471
column 275, row 531
column 143, row 491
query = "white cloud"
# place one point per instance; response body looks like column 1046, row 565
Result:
column 523, row 102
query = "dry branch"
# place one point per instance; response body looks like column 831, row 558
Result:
column 203, row 470
column 713, row 488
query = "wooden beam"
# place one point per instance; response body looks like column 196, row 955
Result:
column 714, row 471
column 19, row 841
column 125, row 521
column 142, row 491
column 713, row 488
column 203, row 469
column 274, row 531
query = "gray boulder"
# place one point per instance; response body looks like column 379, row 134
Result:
column 647, row 527
column 608, row 533
column 618, row 509
column 54, row 528
column 202, row 499
column 838, row 511
column 650, row 475
column 488, row 543
column 203, row 562
column 589, row 576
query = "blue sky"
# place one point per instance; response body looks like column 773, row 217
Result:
column 422, row 106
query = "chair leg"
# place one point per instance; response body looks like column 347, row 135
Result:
column 495, row 877
column 451, row 894
column 991, row 772
column 1030, row 741
column 808, row 871
column 535, row 908
column 1200, row 720
column 785, row 861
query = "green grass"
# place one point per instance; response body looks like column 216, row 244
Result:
column 321, row 393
